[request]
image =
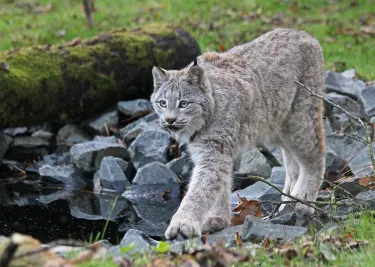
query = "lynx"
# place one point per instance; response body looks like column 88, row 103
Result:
column 223, row 103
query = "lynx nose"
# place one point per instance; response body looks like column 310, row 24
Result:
column 170, row 120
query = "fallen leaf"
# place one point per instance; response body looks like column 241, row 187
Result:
column 289, row 252
column 238, row 240
column 246, row 207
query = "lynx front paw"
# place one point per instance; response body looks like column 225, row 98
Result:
column 214, row 224
column 186, row 228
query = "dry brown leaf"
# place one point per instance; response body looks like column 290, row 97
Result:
column 246, row 207
column 289, row 252
column 267, row 242
column 238, row 240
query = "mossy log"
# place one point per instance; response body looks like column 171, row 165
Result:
column 83, row 78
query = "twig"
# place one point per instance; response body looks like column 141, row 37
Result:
column 88, row 10
column 367, row 140
column 303, row 201
column 354, row 137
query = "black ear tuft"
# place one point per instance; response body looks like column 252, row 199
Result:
column 157, row 66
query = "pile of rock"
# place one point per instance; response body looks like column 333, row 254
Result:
column 137, row 160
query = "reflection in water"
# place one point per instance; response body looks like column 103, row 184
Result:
column 50, row 212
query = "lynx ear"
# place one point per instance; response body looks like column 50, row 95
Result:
column 195, row 74
column 160, row 76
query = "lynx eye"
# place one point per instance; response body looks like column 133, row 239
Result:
column 162, row 103
column 183, row 104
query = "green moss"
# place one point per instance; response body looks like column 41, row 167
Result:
column 31, row 72
column 162, row 30
column 165, row 57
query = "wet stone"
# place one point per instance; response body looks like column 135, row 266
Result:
column 16, row 131
column 28, row 147
column 88, row 156
column 134, row 107
column 254, row 163
column 255, row 229
column 105, row 139
column 287, row 219
column 59, row 158
column 150, row 146
column 111, row 176
column 12, row 165
column 71, row 134
column 49, row 137
column 5, row 142
column 67, row 175
column 98, row 124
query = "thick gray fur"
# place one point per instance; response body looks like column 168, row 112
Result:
column 240, row 98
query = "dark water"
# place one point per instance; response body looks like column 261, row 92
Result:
column 49, row 212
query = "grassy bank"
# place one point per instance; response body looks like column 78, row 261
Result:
column 345, row 28
column 341, row 249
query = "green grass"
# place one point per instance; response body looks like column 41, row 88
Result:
column 362, row 229
column 217, row 25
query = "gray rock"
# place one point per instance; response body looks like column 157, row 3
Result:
column 155, row 173
column 134, row 107
column 367, row 199
column 88, row 156
column 346, row 102
column 5, row 142
column 349, row 74
column 56, row 159
column 334, row 165
column 106, row 139
column 287, row 219
column 15, row 131
column 71, row 134
column 372, row 120
column 182, row 166
column 262, row 191
column 142, row 243
column 49, row 137
column 150, row 146
column 338, row 83
column 132, row 130
column 111, row 176
column 324, row 195
column 98, row 207
column 64, row 174
column 345, row 147
column 254, row 163
column 65, row 193
column 360, row 164
column 344, row 207
column 97, row 125
column 327, row 127
column 27, row 146
column 349, row 185
column 368, row 99
column 153, row 181
column 255, row 229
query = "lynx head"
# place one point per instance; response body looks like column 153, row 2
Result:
column 182, row 99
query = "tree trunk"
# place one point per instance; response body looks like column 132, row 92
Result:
column 81, row 79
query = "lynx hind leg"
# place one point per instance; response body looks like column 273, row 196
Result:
column 219, row 216
column 292, row 171
column 303, row 136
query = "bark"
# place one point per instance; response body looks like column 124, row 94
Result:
column 83, row 78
